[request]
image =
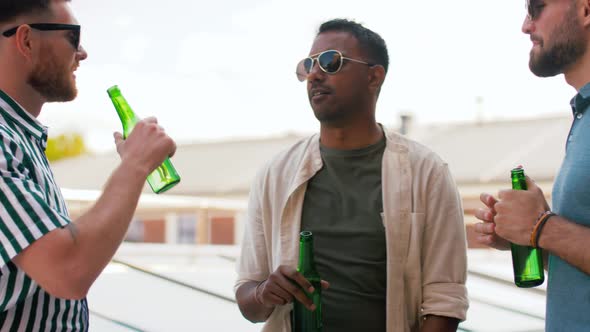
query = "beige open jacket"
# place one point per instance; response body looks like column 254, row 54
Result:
column 422, row 216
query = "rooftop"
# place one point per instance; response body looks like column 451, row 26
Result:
column 178, row 288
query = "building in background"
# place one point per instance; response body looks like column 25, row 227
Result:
column 209, row 204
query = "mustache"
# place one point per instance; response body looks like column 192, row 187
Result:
column 319, row 86
column 536, row 39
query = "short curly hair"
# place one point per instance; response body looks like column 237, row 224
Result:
column 370, row 41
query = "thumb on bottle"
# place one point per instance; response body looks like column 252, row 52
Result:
column 118, row 141
column 118, row 137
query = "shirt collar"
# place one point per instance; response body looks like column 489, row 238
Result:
column 17, row 114
column 581, row 100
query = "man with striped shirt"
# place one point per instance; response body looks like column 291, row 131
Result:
column 48, row 261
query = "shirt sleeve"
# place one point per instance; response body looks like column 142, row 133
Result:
column 25, row 212
column 253, row 263
column 444, row 250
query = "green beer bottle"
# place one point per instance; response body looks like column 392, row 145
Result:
column 304, row 320
column 165, row 176
column 527, row 261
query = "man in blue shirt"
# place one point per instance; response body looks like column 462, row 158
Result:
column 560, row 32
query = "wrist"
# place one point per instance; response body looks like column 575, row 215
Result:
column 258, row 295
column 135, row 169
column 552, row 232
column 538, row 228
column 128, row 177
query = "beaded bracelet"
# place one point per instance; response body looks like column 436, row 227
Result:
column 538, row 227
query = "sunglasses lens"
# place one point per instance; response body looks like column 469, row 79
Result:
column 76, row 40
column 330, row 61
column 303, row 68
column 73, row 37
column 307, row 64
column 528, row 7
column 533, row 8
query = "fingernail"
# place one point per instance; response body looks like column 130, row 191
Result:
column 310, row 289
column 312, row 307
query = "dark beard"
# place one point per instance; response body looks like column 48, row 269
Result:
column 556, row 60
column 51, row 81
column 331, row 116
column 344, row 112
column 569, row 46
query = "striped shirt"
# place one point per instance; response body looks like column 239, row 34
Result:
column 31, row 205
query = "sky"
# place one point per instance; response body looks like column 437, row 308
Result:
column 224, row 69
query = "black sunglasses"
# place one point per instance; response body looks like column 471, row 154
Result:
column 534, row 8
column 74, row 37
column 330, row 62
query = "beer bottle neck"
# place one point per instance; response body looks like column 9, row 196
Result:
column 124, row 111
column 518, row 179
column 306, row 262
column 519, row 183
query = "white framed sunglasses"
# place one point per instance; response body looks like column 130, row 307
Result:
column 330, row 62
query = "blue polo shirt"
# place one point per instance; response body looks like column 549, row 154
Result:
column 568, row 290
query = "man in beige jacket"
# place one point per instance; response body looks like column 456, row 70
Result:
column 385, row 212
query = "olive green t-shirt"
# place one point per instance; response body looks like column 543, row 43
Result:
column 342, row 207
